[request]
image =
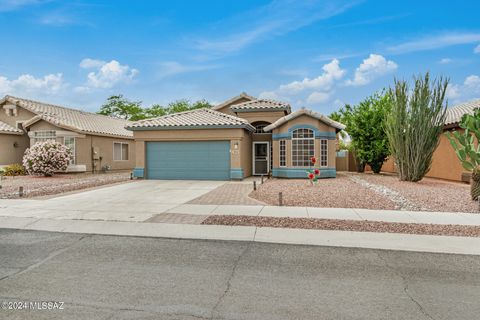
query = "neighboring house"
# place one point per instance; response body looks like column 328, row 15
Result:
column 445, row 163
column 98, row 142
column 240, row 137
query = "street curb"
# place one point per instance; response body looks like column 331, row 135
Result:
column 349, row 239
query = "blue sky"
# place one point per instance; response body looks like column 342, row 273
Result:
column 315, row 54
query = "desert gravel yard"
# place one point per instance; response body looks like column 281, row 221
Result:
column 35, row 186
column 340, row 192
column 369, row 191
column 345, row 225
column 429, row 194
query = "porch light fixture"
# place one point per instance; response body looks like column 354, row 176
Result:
column 235, row 145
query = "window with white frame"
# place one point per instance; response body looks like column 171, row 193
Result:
column 69, row 142
column 120, row 151
column 323, row 153
column 283, row 153
column 303, row 147
column 44, row 135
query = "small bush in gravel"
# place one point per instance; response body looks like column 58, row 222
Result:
column 46, row 158
column 12, row 170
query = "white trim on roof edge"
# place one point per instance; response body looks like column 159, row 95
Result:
column 306, row 112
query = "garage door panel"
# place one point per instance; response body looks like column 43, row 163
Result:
column 201, row 160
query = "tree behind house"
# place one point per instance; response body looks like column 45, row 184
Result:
column 414, row 125
column 120, row 107
column 364, row 124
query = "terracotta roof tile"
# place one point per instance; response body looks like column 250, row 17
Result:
column 203, row 118
column 261, row 104
column 72, row 119
column 298, row 113
column 6, row 128
column 455, row 113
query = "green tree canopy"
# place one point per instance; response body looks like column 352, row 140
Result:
column 120, row 107
column 365, row 125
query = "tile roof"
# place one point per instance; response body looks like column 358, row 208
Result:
column 260, row 105
column 8, row 129
column 194, row 119
column 298, row 113
column 455, row 113
column 72, row 119
column 242, row 95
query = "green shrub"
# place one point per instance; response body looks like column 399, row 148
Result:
column 15, row 169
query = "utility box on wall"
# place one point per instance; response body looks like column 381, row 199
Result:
column 95, row 153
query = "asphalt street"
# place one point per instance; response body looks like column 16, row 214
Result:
column 111, row 277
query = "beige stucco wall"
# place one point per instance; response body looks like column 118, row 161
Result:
column 226, row 108
column 331, row 144
column 105, row 147
column 10, row 154
column 84, row 145
column 445, row 163
column 22, row 115
column 239, row 158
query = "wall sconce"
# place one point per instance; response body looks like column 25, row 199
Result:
column 235, row 145
column 15, row 144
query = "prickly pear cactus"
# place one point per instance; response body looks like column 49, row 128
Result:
column 465, row 147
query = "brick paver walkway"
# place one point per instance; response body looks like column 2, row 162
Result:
column 234, row 193
column 178, row 218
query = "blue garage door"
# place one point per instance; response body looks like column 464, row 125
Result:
column 201, row 160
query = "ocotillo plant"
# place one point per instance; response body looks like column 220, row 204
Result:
column 467, row 152
column 414, row 125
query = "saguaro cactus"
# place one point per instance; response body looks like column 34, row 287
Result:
column 467, row 151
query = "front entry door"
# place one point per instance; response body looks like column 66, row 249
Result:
column 261, row 158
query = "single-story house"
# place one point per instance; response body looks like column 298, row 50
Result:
column 240, row 137
column 445, row 163
column 98, row 142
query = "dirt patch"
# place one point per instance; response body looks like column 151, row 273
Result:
column 429, row 194
column 345, row 225
column 36, row 186
column 340, row 192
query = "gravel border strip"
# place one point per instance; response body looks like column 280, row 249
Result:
column 401, row 203
column 60, row 188
column 344, row 225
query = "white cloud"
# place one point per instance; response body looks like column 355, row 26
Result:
column 445, row 61
column 108, row 74
column 477, row 49
column 472, row 82
column 309, row 90
column 435, row 42
column 331, row 73
column 318, row 97
column 88, row 63
column 49, row 84
column 371, row 68
column 468, row 90
column 453, row 91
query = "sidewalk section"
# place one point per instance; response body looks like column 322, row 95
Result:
column 386, row 241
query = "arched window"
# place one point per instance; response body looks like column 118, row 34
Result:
column 303, row 147
column 259, row 126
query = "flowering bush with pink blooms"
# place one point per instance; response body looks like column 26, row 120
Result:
column 46, row 158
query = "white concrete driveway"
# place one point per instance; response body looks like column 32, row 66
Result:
column 135, row 201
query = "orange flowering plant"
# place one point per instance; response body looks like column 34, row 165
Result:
column 313, row 174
